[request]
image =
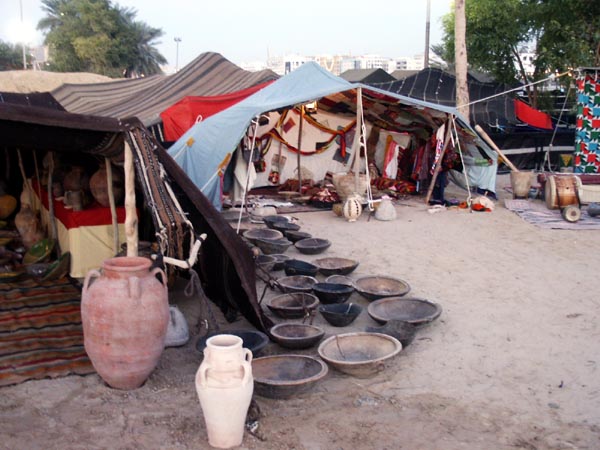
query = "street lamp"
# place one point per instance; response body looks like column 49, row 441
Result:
column 177, row 41
column 23, row 43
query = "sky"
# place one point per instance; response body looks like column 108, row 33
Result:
column 244, row 31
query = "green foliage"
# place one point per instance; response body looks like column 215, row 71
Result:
column 565, row 33
column 11, row 56
column 95, row 36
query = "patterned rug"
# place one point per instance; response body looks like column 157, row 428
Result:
column 40, row 331
column 537, row 213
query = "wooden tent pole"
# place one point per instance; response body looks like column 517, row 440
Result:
column 488, row 139
column 438, row 164
column 299, row 147
column 113, row 207
column 52, row 218
column 131, row 219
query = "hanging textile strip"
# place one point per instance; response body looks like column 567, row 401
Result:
column 275, row 133
column 172, row 227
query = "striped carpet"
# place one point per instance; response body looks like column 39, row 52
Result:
column 40, row 331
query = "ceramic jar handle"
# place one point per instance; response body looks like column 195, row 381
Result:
column 201, row 376
column 247, row 355
column 247, row 367
column 88, row 278
column 163, row 276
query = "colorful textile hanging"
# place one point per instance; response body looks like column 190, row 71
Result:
column 587, row 133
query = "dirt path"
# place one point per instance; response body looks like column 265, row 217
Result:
column 512, row 363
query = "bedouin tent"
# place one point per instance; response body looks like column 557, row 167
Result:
column 145, row 98
column 181, row 116
column 178, row 209
column 202, row 150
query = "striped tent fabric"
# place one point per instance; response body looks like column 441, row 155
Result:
column 145, row 98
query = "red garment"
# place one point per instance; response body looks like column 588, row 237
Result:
column 532, row 116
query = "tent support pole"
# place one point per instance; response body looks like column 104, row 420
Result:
column 299, row 147
column 51, row 217
column 113, row 207
column 438, row 164
column 131, row 220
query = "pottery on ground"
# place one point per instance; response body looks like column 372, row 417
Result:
column 224, row 385
column 125, row 316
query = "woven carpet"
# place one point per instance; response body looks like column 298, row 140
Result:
column 40, row 331
column 536, row 213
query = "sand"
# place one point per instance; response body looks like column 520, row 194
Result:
column 27, row 81
column 511, row 363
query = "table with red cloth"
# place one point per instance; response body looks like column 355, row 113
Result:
column 87, row 234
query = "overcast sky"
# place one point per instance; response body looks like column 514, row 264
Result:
column 245, row 31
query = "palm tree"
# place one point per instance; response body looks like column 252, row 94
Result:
column 145, row 58
column 54, row 10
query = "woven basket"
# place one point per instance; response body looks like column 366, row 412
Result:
column 345, row 184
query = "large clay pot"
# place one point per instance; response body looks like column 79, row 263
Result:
column 125, row 316
column 76, row 179
column 224, row 385
column 99, row 185
column 8, row 204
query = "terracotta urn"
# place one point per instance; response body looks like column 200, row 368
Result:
column 99, row 185
column 224, row 384
column 76, row 179
column 125, row 316
column 8, row 204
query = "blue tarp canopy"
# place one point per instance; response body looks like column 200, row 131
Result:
column 202, row 149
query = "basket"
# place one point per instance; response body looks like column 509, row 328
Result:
column 345, row 184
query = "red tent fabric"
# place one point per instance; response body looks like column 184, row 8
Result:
column 181, row 116
column 532, row 116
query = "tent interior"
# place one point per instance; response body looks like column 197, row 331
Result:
column 42, row 145
column 397, row 146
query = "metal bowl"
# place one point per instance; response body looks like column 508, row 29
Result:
column 340, row 314
column 405, row 332
column 340, row 279
column 297, row 283
column 262, row 233
column 253, row 340
column 412, row 310
column 280, row 259
column 332, row 292
column 286, row 226
column 376, row 287
column 285, row 376
column 299, row 267
column 295, row 236
column 293, row 305
column 265, row 262
column 272, row 220
column 296, row 335
column 359, row 354
column 312, row 246
column 273, row 246
column 336, row 266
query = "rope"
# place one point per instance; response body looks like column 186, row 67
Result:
column 457, row 145
column 547, row 155
column 551, row 77
column 193, row 286
column 255, row 121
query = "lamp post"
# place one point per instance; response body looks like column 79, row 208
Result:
column 177, row 41
column 426, row 55
column 23, row 43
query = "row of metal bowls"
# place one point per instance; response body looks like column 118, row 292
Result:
column 361, row 354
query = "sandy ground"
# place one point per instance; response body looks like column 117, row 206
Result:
column 26, row 81
column 512, row 363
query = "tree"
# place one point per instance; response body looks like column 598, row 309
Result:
column 563, row 34
column 460, row 58
column 11, row 56
column 95, row 36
